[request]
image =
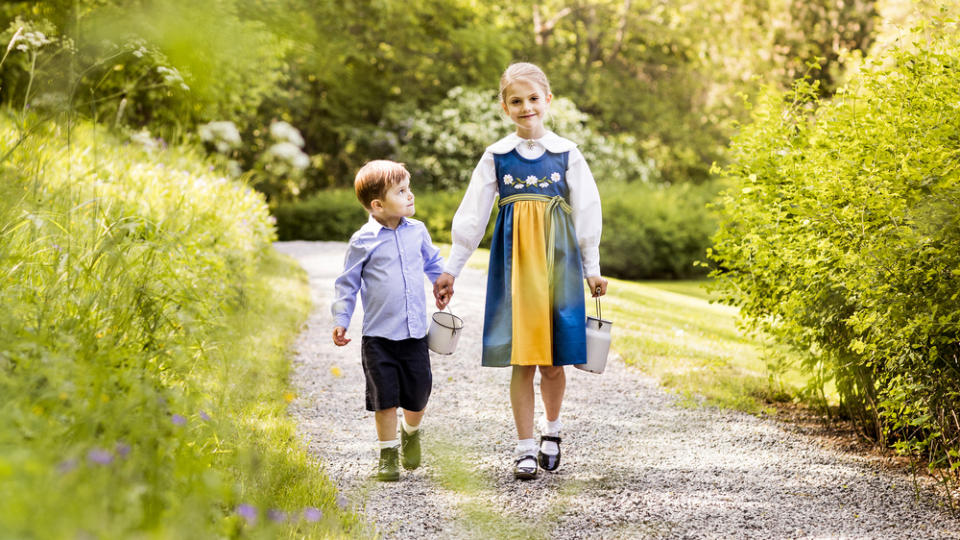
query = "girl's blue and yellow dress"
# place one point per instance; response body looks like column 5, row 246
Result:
column 534, row 313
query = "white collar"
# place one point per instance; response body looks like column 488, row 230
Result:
column 550, row 140
column 374, row 226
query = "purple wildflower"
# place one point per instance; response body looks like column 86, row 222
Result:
column 66, row 466
column 312, row 515
column 248, row 513
column 277, row 516
column 122, row 449
column 178, row 420
column 204, row 416
column 100, row 456
column 342, row 501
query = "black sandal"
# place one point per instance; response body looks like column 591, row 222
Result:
column 525, row 472
column 546, row 461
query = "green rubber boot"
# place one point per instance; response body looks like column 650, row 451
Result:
column 389, row 469
column 410, row 449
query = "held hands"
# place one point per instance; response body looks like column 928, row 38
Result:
column 597, row 282
column 340, row 336
column 443, row 289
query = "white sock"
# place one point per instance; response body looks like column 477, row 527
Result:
column 407, row 427
column 552, row 429
column 526, row 447
column 394, row 443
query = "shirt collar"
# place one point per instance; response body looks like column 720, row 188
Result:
column 550, row 140
column 374, row 226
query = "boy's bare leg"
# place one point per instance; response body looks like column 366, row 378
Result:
column 553, row 382
column 386, row 424
column 413, row 418
column 522, row 398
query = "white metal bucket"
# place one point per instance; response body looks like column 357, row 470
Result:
column 598, row 342
column 444, row 332
column 598, row 345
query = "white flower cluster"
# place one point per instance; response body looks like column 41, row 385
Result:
column 30, row 39
column 223, row 135
column 144, row 139
column 288, row 146
column 172, row 76
column 530, row 181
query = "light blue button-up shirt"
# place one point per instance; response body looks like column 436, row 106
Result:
column 386, row 266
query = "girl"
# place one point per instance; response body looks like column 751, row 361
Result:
column 545, row 241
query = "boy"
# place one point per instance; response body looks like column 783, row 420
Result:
column 385, row 262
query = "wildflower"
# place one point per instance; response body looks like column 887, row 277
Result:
column 336, row 371
column 144, row 139
column 204, row 416
column 99, row 456
column 290, row 153
column 223, row 135
column 312, row 515
column 342, row 501
column 122, row 449
column 247, row 512
column 288, row 396
column 284, row 132
column 178, row 420
column 555, row 177
column 66, row 466
column 277, row 516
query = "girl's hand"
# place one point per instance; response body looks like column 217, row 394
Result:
column 443, row 289
column 340, row 336
column 597, row 282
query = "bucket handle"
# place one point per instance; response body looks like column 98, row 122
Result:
column 599, row 312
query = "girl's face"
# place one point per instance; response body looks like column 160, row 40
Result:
column 526, row 105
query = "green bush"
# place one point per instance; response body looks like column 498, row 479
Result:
column 143, row 328
column 335, row 214
column 841, row 237
column 650, row 231
column 441, row 145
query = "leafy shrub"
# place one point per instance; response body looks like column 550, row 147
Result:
column 137, row 394
column 652, row 231
column 335, row 214
column 841, row 233
column 441, row 145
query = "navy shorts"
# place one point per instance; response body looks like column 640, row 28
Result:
column 397, row 372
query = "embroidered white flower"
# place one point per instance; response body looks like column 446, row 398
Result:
column 555, row 177
column 532, row 180
column 544, row 184
column 508, row 180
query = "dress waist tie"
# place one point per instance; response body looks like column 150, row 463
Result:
column 552, row 204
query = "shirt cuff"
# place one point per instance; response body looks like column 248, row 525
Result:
column 591, row 262
column 457, row 260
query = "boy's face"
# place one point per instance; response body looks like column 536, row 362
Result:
column 398, row 201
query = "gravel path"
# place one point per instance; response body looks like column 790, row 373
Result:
column 636, row 464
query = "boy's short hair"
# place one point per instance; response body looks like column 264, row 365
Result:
column 376, row 177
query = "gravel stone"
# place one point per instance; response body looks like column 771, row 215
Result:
column 636, row 463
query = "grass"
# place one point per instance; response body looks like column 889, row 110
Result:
column 143, row 351
column 672, row 331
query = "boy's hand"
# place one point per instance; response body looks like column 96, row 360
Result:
column 597, row 282
column 340, row 336
column 443, row 289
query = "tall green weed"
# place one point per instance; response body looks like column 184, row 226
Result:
column 142, row 334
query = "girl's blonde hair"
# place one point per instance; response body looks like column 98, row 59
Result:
column 524, row 71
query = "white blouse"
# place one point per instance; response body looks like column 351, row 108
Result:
column 470, row 221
